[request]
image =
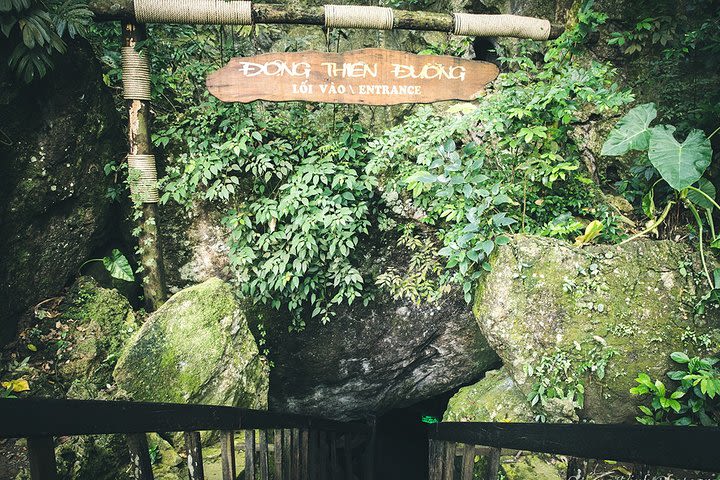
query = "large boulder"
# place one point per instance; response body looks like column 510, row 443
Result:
column 559, row 316
column 392, row 353
column 196, row 348
column 57, row 134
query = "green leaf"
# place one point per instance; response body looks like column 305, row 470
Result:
column 680, row 357
column 705, row 186
column 591, row 232
column 648, row 204
column 631, row 132
column 117, row 265
column 679, row 164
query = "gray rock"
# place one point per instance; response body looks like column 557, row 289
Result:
column 56, row 136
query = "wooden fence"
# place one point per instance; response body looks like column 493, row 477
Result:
column 452, row 446
column 277, row 446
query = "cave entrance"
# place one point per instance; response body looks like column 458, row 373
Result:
column 401, row 451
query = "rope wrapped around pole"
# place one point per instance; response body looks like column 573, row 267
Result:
column 142, row 177
column 136, row 75
column 501, row 26
column 354, row 16
column 203, row 12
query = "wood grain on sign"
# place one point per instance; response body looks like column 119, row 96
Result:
column 370, row 76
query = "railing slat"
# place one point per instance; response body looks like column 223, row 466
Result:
column 227, row 454
column 277, row 454
column 435, row 459
column 263, row 456
column 249, row 454
column 193, row 448
column 287, row 454
column 323, row 455
column 449, row 461
column 139, row 456
column 576, row 469
column 304, row 454
column 313, row 447
column 468, row 462
column 334, row 464
column 493, row 463
column 347, row 453
column 295, row 454
column 41, row 458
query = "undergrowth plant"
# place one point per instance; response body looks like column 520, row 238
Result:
column 681, row 166
column 508, row 163
column 695, row 400
column 36, row 29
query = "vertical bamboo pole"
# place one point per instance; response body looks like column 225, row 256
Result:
column 154, row 287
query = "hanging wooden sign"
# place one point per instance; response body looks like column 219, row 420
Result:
column 370, row 76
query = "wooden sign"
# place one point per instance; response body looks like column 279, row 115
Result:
column 370, row 76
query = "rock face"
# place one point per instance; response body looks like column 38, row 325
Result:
column 196, row 348
column 495, row 398
column 366, row 360
column 601, row 314
column 57, row 134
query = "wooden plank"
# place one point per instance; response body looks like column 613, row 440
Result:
column 45, row 417
column 334, row 464
column 468, row 462
column 264, row 470
column 313, row 452
column 295, row 454
column 449, row 461
column 287, row 454
column 227, row 454
column 347, row 454
column 371, row 76
column 323, row 456
column 576, row 469
column 193, row 448
column 435, row 460
column 41, row 458
column 249, row 454
column 370, row 450
column 493, row 464
column 304, row 454
column 649, row 444
column 277, row 454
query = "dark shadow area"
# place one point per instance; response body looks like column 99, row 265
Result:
column 402, row 446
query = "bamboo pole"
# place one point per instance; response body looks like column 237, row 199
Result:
column 294, row 14
column 151, row 259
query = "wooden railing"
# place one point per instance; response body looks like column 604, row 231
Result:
column 452, row 446
column 277, row 446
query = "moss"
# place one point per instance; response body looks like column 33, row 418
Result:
column 545, row 299
column 533, row 467
column 197, row 349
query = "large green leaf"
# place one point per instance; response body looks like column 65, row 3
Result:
column 118, row 266
column 631, row 132
column 679, row 164
column 705, row 186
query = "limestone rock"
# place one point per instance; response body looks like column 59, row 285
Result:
column 57, row 134
column 195, row 349
column 495, row 398
column 602, row 314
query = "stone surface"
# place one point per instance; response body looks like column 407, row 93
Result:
column 196, row 348
column 56, row 136
column 370, row 359
column 618, row 308
column 495, row 398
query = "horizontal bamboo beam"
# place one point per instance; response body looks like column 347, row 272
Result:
column 285, row 14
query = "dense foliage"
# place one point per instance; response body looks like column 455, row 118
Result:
column 36, row 29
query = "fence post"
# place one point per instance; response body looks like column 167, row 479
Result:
column 370, row 452
column 41, row 457
column 194, row 453
column 576, row 469
column 493, row 463
column 140, row 456
column 227, row 454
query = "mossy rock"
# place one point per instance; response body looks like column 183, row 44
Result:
column 196, row 348
column 98, row 322
column 532, row 467
column 607, row 312
column 495, row 398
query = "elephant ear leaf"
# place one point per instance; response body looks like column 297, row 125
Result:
column 679, row 164
column 118, row 266
column 705, row 186
column 631, row 132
